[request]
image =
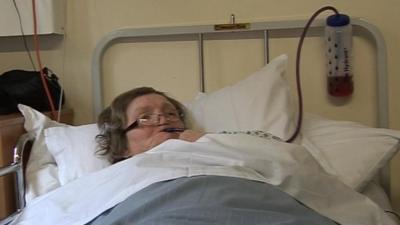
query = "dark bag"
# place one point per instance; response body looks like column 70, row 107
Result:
column 26, row 87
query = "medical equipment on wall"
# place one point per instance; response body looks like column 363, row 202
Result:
column 342, row 83
column 338, row 34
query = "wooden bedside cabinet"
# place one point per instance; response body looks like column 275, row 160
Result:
column 11, row 127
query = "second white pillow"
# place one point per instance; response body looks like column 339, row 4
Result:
column 260, row 102
column 74, row 150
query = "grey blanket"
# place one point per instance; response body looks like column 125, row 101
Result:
column 211, row 200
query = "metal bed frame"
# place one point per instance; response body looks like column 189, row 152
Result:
column 199, row 33
column 21, row 156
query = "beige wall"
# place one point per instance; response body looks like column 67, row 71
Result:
column 88, row 20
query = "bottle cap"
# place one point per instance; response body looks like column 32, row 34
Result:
column 338, row 20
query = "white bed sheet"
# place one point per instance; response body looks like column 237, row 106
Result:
column 288, row 166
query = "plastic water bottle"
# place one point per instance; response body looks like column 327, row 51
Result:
column 338, row 33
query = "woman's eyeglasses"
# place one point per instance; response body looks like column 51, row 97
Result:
column 153, row 119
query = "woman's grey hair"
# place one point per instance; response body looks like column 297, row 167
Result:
column 112, row 139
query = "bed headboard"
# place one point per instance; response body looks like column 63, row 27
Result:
column 260, row 29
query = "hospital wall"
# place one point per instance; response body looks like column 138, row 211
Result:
column 173, row 66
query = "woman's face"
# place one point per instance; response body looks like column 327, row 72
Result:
column 143, row 138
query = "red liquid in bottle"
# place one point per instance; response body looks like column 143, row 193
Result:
column 340, row 86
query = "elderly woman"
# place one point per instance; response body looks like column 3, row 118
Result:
column 139, row 120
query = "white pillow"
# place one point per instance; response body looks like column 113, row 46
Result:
column 41, row 173
column 352, row 151
column 74, row 150
column 259, row 102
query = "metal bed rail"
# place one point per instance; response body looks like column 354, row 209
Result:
column 21, row 155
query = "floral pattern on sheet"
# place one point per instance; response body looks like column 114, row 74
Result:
column 256, row 133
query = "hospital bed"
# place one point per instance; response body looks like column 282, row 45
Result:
column 322, row 144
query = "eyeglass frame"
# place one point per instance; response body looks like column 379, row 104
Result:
column 136, row 123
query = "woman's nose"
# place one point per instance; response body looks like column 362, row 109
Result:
column 162, row 119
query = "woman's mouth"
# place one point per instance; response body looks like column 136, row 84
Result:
column 173, row 129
